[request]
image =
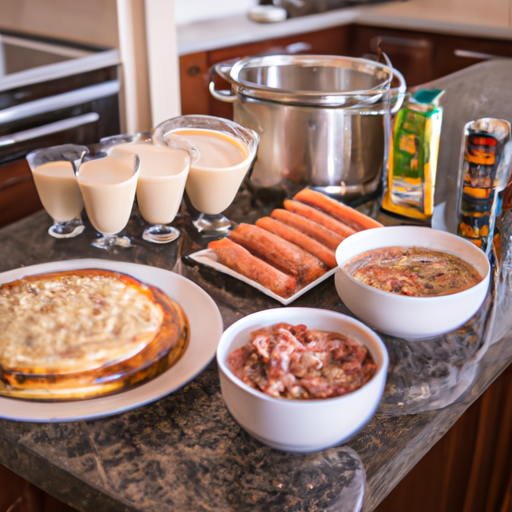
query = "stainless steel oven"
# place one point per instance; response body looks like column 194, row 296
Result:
column 50, row 93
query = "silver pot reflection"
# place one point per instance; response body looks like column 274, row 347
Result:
column 323, row 121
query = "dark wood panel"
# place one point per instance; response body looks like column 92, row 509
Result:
column 18, row 194
column 18, row 495
column 194, row 79
column 333, row 41
column 424, row 56
column 470, row 468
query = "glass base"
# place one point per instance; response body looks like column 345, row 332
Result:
column 107, row 241
column 67, row 229
column 211, row 224
column 160, row 234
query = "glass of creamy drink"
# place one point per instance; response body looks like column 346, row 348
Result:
column 53, row 170
column 161, row 184
column 223, row 154
column 108, row 185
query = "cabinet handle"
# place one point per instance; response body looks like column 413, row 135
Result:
column 466, row 54
column 193, row 70
column 48, row 129
column 376, row 41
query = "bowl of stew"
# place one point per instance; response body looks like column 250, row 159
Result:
column 301, row 379
column 410, row 281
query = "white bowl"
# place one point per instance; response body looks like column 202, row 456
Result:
column 301, row 425
column 400, row 315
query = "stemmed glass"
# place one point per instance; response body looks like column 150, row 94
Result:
column 161, row 183
column 226, row 151
column 53, row 172
column 108, row 185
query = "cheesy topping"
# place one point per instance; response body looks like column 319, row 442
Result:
column 74, row 322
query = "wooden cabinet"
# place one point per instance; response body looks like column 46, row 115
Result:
column 470, row 468
column 424, row 56
column 18, row 495
column 18, row 195
column 420, row 56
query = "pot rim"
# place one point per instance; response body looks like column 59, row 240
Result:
column 364, row 97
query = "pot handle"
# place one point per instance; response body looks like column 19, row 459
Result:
column 222, row 69
column 398, row 93
column 223, row 95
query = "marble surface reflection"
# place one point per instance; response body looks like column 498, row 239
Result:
column 432, row 373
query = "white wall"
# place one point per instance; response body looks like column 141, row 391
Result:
column 187, row 11
column 86, row 21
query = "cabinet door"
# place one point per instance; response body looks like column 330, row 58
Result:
column 423, row 56
column 194, row 80
column 469, row 469
column 411, row 54
column 18, row 195
column 454, row 53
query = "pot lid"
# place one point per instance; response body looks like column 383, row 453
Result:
column 312, row 80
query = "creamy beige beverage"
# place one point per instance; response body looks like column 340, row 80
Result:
column 108, row 187
column 163, row 173
column 214, row 179
column 58, row 190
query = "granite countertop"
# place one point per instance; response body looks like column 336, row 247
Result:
column 450, row 17
column 185, row 452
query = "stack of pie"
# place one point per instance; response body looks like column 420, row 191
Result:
column 84, row 334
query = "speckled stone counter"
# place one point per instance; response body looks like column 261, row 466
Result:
column 184, row 452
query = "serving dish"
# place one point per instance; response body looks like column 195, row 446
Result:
column 301, row 426
column 208, row 257
column 404, row 316
column 205, row 330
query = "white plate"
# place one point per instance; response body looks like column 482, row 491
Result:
column 205, row 331
column 209, row 258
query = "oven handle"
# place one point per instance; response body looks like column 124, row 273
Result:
column 48, row 129
column 59, row 101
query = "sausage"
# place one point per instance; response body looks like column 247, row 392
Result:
column 353, row 218
column 292, row 235
column 320, row 233
column 320, row 217
column 240, row 260
column 280, row 253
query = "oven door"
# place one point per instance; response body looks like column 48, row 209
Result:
column 79, row 116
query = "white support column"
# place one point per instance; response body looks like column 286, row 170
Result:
column 163, row 60
column 135, row 91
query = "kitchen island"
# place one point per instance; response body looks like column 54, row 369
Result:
column 185, row 452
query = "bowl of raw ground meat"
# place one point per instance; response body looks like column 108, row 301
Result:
column 301, row 379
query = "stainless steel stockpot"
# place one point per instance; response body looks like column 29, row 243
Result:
column 323, row 121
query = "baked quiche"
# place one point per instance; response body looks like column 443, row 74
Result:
column 85, row 333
